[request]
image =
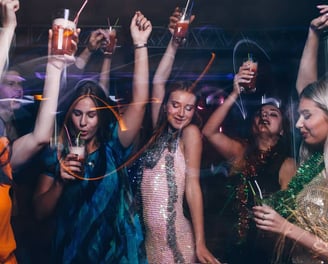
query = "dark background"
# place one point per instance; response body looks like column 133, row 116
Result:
column 278, row 27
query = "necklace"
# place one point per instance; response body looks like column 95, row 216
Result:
column 254, row 160
column 284, row 202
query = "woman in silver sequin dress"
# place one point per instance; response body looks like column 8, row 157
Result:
column 170, row 170
column 306, row 225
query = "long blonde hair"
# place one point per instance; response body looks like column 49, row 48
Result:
column 318, row 93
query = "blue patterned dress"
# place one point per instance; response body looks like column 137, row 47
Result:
column 95, row 219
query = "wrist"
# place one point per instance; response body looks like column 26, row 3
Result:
column 90, row 48
column 140, row 45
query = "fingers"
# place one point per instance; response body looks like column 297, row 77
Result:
column 141, row 21
column 11, row 4
column 71, row 167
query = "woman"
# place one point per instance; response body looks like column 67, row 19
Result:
column 300, row 212
column 170, row 169
column 96, row 222
column 308, row 180
column 263, row 160
column 14, row 155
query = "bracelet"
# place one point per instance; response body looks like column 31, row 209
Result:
column 139, row 46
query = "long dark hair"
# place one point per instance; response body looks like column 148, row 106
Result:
column 105, row 111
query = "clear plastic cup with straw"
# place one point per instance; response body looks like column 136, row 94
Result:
column 63, row 28
column 182, row 26
column 77, row 147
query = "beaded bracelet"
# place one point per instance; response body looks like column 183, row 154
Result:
column 139, row 46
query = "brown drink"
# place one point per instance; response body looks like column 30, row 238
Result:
column 181, row 29
column 251, row 86
column 182, row 26
column 109, row 43
column 63, row 32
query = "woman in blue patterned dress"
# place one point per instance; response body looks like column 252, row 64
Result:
column 95, row 219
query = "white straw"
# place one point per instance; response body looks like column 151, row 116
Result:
column 258, row 187
column 184, row 13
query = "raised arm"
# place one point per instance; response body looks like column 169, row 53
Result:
column 104, row 78
column 94, row 43
column 9, row 23
column 140, row 30
column 164, row 70
column 229, row 148
column 28, row 145
column 308, row 69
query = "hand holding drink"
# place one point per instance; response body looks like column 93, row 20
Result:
column 72, row 166
column 109, row 42
column 252, row 65
column 182, row 26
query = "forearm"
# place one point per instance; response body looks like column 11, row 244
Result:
column 165, row 66
column 105, row 75
column 31, row 143
column 216, row 119
column 6, row 36
column 308, row 71
column 195, row 202
column 83, row 58
column 311, row 242
column 133, row 116
column 141, row 78
column 48, row 106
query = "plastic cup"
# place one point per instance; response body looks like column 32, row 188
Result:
column 63, row 28
column 253, row 66
column 79, row 152
column 108, row 44
column 182, row 26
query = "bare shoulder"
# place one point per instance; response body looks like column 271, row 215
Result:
column 191, row 131
column 286, row 172
column 191, row 136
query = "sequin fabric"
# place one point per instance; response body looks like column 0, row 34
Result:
column 169, row 236
column 312, row 215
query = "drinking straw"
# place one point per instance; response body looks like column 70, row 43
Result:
column 115, row 24
column 259, row 189
column 186, row 8
column 68, row 136
column 78, row 13
column 78, row 139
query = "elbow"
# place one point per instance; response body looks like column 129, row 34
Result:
column 41, row 210
column 206, row 133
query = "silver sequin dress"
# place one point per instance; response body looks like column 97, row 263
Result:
column 169, row 236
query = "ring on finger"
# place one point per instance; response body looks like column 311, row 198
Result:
column 263, row 217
